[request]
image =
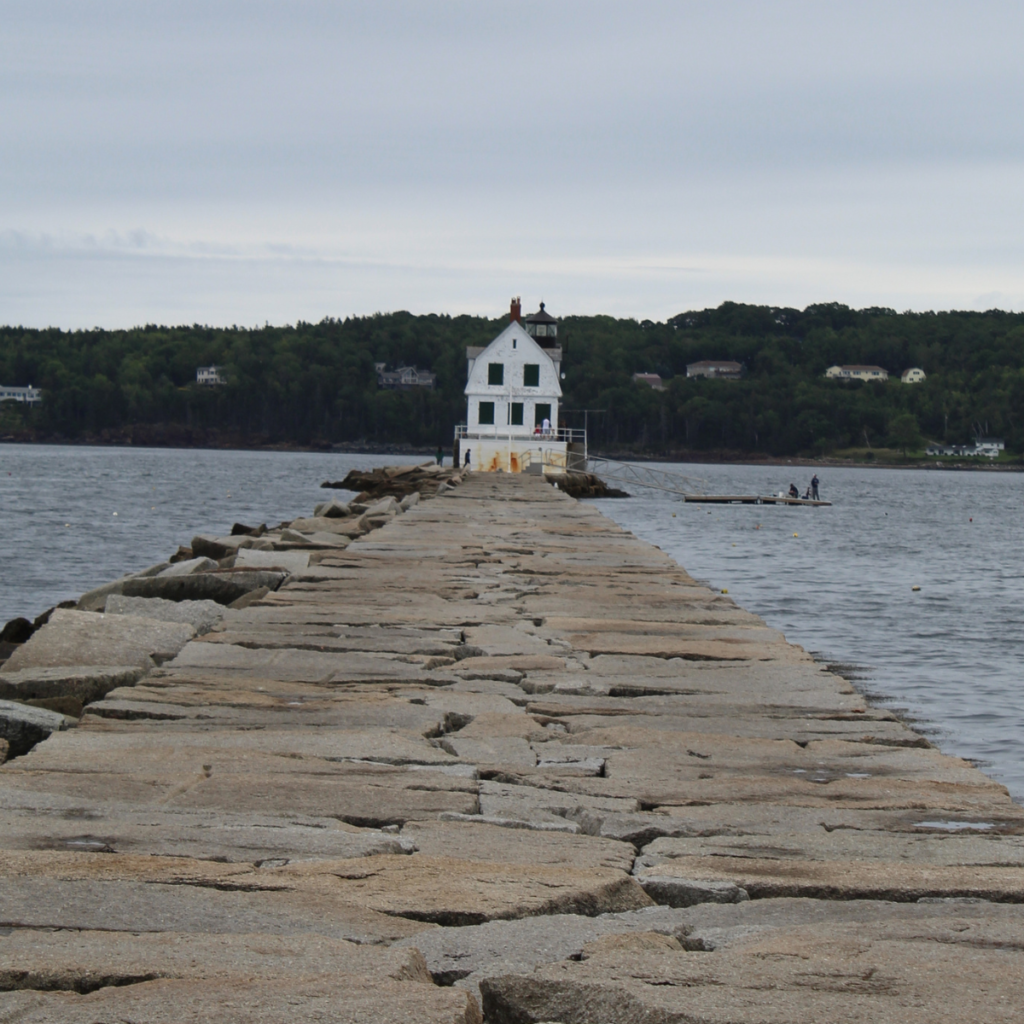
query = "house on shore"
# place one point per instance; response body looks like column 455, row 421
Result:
column 915, row 375
column 652, row 380
column 404, row 378
column 722, row 369
column 513, row 393
column 210, row 376
column 987, row 447
column 856, row 373
column 27, row 396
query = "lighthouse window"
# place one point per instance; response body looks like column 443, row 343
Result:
column 486, row 413
column 495, row 374
column 516, row 414
column 531, row 375
column 541, row 413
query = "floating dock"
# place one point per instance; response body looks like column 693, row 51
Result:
column 499, row 760
column 750, row 499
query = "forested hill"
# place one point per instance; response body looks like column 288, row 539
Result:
column 314, row 384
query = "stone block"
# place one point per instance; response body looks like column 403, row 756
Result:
column 203, row 616
column 288, row 561
column 219, row 547
column 465, row 956
column 189, row 566
column 222, row 587
column 85, row 683
column 87, row 638
column 23, row 726
column 687, row 892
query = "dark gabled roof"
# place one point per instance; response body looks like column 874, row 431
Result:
column 540, row 317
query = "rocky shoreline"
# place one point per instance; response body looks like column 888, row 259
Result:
column 475, row 756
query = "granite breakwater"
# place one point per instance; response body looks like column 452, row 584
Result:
column 482, row 756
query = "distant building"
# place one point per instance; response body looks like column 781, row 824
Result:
column 210, row 375
column 987, row 447
column 652, row 380
column 913, row 376
column 404, row 378
column 990, row 446
column 29, row 395
column 725, row 369
column 856, row 373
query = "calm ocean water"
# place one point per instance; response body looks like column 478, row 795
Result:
column 73, row 518
column 950, row 654
column 76, row 517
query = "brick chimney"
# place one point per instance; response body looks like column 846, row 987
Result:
column 516, row 312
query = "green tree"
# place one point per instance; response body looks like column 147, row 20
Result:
column 905, row 433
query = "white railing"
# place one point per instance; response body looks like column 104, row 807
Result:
column 567, row 434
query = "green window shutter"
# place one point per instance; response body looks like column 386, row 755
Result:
column 531, row 375
column 496, row 373
column 486, row 413
column 517, row 414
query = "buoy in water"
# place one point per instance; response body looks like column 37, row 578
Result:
column 915, row 587
column 725, row 590
column 796, row 534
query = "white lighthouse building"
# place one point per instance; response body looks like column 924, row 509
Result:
column 513, row 393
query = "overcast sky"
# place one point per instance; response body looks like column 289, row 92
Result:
column 233, row 161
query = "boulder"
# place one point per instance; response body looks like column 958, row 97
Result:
column 23, row 726
column 409, row 500
column 333, row 509
column 17, row 631
column 89, row 638
column 94, row 600
column 219, row 547
column 203, row 616
column 222, row 587
column 189, row 566
column 241, row 530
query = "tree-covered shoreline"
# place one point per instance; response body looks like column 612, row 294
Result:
column 314, row 385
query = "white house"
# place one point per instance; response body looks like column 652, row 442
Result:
column 209, row 375
column 856, row 373
column 404, row 378
column 727, row 369
column 913, row 376
column 29, row 395
column 989, row 446
column 512, row 401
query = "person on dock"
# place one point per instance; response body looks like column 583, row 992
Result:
column 793, row 492
column 466, row 463
column 814, row 487
column 440, row 455
column 807, row 493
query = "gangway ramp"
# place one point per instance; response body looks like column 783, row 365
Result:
column 634, row 474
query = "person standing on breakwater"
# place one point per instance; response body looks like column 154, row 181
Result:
column 814, row 487
column 466, row 463
column 440, row 455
